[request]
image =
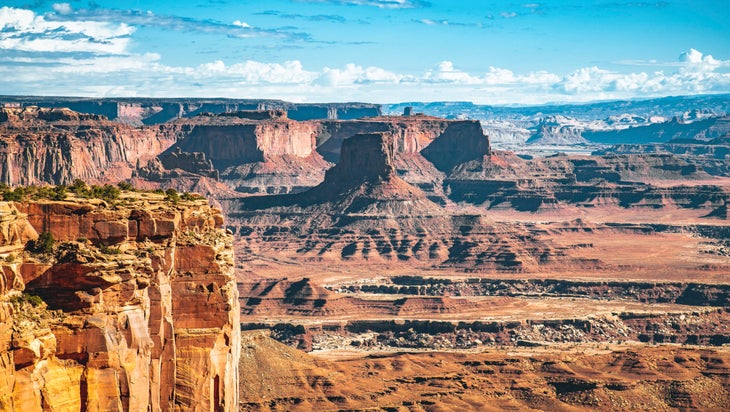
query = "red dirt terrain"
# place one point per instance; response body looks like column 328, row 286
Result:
column 423, row 270
column 572, row 378
column 514, row 285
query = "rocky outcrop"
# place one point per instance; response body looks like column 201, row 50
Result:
column 252, row 152
column 138, row 307
column 558, row 130
column 411, row 134
column 175, row 163
column 618, row 378
column 149, row 111
column 705, row 129
column 504, row 180
column 273, row 155
column 57, row 146
column 712, row 156
column 343, row 219
column 364, row 182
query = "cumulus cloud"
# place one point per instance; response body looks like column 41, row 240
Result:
column 696, row 60
column 62, row 8
column 91, row 58
column 23, row 30
column 145, row 75
column 355, row 75
column 240, row 23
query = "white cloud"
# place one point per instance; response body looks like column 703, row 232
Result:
column 697, row 61
column 62, row 8
column 353, row 75
column 23, row 30
column 145, row 75
column 100, row 64
column 240, row 23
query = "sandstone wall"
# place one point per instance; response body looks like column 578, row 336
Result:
column 141, row 308
column 45, row 147
column 235, row 144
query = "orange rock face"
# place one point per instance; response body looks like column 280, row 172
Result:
column 59, row 145
column 140, row 307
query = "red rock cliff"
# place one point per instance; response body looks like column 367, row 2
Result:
column 141, row 309
column 58, row 146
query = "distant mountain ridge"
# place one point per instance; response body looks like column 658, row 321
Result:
column 600, row 122
column 149, row 110
column 671, row 106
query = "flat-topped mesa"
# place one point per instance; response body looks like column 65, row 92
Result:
column 411, row 134
column 176, row 163
column 256, row 114
column 461, row 142
column 364, row 182
column 364, row 158
column 31, row 113
column 151, row 111
column 244, row 138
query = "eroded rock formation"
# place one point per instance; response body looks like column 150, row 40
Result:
column 56, row 146
column 149, row 111
column 139, row 307
column 625, row 378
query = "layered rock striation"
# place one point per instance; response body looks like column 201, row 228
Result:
column 150, row 111
column 56, row 146
column 364, row 211
column 134, row 307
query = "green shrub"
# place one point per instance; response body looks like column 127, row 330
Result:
column 109, row 250
column 171, row 195
column 16, row 195
column 78, row 187
column 125, row 186
column 59, row 192
column 107, row 192
column 34, row 300
column 44, row 243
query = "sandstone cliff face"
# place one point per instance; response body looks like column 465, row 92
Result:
column 141, row 308
column 272, row 155
column 411, row 134
column 250, row 152
column 149, row 111
column 57, row 146
column 364, row 211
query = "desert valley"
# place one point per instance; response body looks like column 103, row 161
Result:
column 364, row 257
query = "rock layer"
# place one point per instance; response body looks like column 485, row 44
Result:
column 57, row 146
column 150, row 111
column 139, row 312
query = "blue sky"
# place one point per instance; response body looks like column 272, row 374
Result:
column 492, row 52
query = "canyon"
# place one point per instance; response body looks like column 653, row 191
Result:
column 117, row 307
column 420, row 266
